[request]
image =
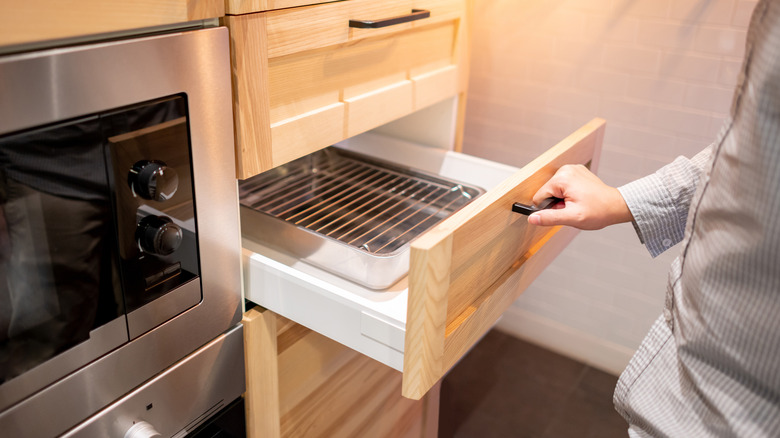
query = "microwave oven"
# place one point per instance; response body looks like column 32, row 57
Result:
column 119, row 243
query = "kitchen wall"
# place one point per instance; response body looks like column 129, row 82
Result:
column 661, row 72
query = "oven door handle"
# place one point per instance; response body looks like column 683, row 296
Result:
column 417, row 14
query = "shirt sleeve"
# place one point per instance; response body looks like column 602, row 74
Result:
column 660, row 202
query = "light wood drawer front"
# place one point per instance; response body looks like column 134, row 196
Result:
column 306, row 80
column 378, row 107
column 466, row 271
column 434, row 86
column 238, row 7
column 305, row 133
column 295, row 63
column 291, row 30
column 300, row 383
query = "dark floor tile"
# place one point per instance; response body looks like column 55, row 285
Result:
column 588, row 412
column 599, row 383
column 506, row 387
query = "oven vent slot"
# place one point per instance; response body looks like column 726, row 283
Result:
column 356, row 200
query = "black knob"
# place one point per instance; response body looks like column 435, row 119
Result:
column 153, row 180
column 158, row 235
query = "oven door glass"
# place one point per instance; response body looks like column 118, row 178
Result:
column 97, row 231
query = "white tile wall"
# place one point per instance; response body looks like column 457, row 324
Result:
column 662, row 73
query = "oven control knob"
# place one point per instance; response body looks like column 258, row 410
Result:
column 142, row 429
column 153, row 180
column 158, row 235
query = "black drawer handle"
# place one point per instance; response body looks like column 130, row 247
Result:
column 528, row 209
column 417, row 14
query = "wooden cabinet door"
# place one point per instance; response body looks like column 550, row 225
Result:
column 304, row 79
column 300, row 383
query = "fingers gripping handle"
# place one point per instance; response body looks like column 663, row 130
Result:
column 528, row 209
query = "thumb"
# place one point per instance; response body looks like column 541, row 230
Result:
column 547, row 218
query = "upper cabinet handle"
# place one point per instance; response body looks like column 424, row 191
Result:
column 417, row 14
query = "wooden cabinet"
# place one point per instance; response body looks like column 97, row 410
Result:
column 463, row 273
column 300, row 383
column 304, row 79
column 37, row 20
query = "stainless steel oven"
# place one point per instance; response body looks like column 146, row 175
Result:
column 119, row 240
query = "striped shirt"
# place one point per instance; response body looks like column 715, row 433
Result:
column 710, row 365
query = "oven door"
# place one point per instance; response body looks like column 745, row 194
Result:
column 60, row 294
column 97, row 237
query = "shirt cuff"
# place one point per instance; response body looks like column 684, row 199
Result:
column 655, row 217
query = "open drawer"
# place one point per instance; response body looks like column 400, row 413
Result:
column 307, row 70
column 463, row 273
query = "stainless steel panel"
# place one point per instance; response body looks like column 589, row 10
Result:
column 348, row 213
column 102, row 339
column 178, row 400
column 142, row 320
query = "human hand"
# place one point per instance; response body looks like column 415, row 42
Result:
column 588, row 203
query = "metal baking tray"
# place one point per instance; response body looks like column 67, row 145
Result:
column 347, row 213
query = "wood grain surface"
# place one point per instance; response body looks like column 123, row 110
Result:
column 315, row 81
column 300, row 383
column 38, row 20
column 457, row 268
